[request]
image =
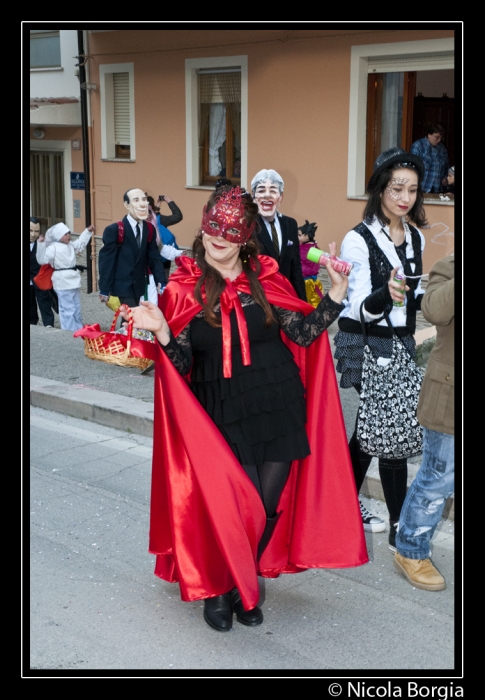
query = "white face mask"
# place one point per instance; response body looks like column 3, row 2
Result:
column 138, row 204
column 268, row 197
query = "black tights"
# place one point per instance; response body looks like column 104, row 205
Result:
column 393, row 473
column 269, row 479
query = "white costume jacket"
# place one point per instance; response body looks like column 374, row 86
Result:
column 62, row 257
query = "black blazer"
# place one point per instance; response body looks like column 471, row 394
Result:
column 123, row 268
column 34, row 265
column 289, row 259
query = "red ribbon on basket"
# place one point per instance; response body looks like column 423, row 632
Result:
column 135, row 347
column 94, row 330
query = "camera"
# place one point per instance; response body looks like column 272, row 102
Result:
column 161, row 196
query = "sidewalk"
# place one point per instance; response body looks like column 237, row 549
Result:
column 64, row 380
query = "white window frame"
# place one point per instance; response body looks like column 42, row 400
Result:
column 106, row 72
column 192, row 65
column 433, row 54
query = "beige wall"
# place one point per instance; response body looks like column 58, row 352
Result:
column 298, row 123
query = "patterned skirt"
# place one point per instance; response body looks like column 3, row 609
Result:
column 349, row 353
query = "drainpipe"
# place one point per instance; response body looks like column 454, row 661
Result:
column 87, row 179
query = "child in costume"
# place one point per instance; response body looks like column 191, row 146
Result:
column 313, row 286
column 58, row 251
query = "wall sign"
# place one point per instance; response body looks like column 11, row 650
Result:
column 77, row 181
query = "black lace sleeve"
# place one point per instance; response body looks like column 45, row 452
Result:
column 179, row 350
column 303, row 330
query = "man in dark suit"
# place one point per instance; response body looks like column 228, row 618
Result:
column 277, row 234
column 42, row 297
column 123, row 269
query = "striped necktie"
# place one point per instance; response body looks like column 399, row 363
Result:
column 138, row 234
column 274, row 236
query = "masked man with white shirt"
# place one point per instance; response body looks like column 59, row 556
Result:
column 124, row 266
column 277, row 234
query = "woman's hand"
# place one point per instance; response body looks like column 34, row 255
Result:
column 396, row 290
column 340, row 283
column 149, row 317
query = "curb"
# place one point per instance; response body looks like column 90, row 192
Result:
column 111, row 410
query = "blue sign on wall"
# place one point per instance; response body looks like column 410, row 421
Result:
column 77, row 181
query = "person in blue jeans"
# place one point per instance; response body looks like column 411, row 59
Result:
column 435, row 480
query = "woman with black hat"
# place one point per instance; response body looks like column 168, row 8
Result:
column 384, row 242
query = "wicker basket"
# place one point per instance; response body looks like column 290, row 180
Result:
column 115, row 352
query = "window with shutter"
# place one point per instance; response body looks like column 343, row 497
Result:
column 121, row 98
column 117, row 112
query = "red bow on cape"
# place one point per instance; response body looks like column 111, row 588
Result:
column 206, row 517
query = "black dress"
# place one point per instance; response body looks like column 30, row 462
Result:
column 260, row 409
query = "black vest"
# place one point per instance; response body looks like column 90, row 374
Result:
column 381, row 268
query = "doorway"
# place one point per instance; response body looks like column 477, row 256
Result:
column 47, row 187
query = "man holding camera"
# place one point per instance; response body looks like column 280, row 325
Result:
column 166, row 236
column 176, row 215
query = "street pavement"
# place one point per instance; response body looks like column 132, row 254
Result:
column 96, row 606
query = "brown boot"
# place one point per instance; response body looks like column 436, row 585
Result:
column 420, row 573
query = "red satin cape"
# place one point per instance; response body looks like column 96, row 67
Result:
column 206, row 517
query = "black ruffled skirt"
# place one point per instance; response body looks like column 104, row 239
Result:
column 261, row 408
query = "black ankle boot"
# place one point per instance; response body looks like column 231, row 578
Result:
column 218, row 612
column 246, row 617
column 268, row 531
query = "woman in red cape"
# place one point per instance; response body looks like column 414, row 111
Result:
column 251, row 470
